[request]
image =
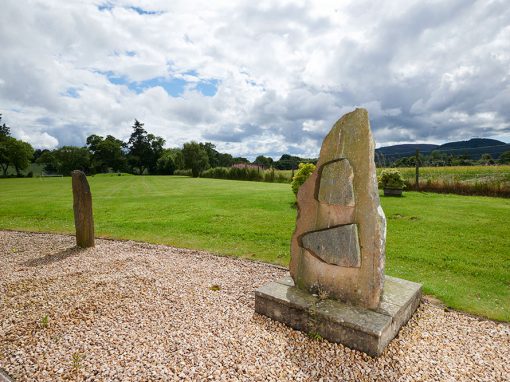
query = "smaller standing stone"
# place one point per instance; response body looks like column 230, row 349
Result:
column 82, row 205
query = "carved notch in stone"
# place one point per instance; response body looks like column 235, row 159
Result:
column 337, row 246
column 336, row 184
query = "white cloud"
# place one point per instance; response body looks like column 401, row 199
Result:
column 284, row 71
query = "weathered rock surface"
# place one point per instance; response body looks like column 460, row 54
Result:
column 327, row 200
column 336, row 183
column 337, row 246
column 82, row 206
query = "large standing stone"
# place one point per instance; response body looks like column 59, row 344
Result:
column 349, row 144
column 337, row 251
column 82, row 206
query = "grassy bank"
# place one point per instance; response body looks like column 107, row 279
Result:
column 456, row 246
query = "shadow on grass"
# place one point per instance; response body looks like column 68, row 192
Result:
column 53, row 258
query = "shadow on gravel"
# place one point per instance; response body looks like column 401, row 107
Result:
column 53, row 258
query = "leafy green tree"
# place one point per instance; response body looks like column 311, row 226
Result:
column 195, row 158
column 288, row 162
column 486, row 159
column 13, row 151
column 37, row 154
column 505, row 158
column 238, row 160
column 5, row 131
column 106, row 153
column 225, row 160
column 302, row 174
column 66, row 159
column 157, row 146
column 5, row 158
column 261, row 160
column 144, row 149
column 71, row 158
column 165, row 163
column 20, row 154
column 177, row 157
column 49, row 160
column 4, row 143
column 212, row 154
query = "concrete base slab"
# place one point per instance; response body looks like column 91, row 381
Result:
column 358, row 328
column 4, row 377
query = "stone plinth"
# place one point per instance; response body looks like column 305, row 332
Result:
column 355, row 327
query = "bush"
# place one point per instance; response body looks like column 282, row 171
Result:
column 302, row 174
column 391, row 178
column 183, row 172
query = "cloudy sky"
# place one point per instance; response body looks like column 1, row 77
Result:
column 254, row 77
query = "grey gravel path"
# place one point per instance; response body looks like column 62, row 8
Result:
column 126, row 311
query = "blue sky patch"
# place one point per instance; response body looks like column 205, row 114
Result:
column 105, row 7
column 142, row 11
column 208, row 88
column 72, row 92
column 173, row 86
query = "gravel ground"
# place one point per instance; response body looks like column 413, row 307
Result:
column 126, row 311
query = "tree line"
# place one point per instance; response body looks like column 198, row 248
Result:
column 143, row 153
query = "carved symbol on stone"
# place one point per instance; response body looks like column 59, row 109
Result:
column 336, row 183
column 337, row 246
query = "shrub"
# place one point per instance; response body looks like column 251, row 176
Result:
column 302, row 174
column 183, row 172
column 391, row 178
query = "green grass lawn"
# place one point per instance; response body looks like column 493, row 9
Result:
column 457, row 246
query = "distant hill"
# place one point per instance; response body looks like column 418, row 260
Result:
column 405, row 150
column 473, row 149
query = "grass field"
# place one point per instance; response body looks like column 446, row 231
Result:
column 457, row 246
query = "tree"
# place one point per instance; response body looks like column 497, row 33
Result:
column 71, row 158
column 225, row 160
column 66, row 159
column 20, row 154
column 106, row 153
column 195, row 158
column 144, row 149
column 486, row 159
column 5, row 130
column 177, row 157
column 288, row 162
column 261, row 160
column 4, row 142
column 13, row 152
column 5, row 159
column 156, row 150
column 165, row 163
column 237, row 160
column 212, row 154
column 504, row 158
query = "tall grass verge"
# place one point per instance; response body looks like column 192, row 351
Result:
column 250, row 174
column 468, row 180
column 444, row 186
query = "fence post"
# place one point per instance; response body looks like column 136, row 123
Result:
column 417, row 180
